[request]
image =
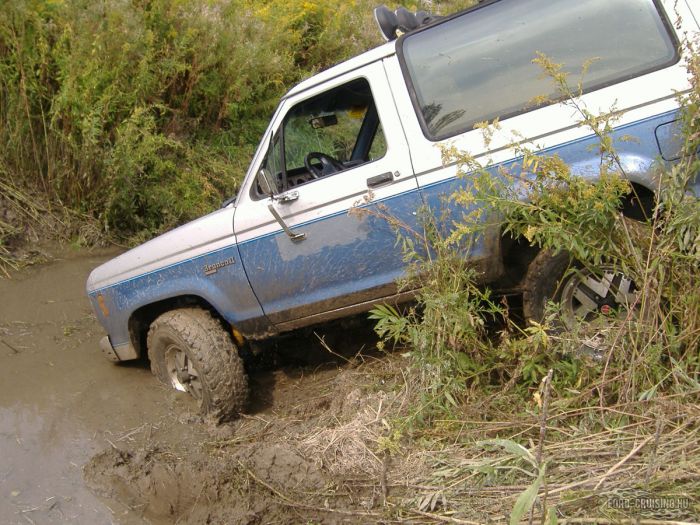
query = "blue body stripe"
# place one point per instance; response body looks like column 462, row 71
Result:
column 335, row 266
column 545, row 151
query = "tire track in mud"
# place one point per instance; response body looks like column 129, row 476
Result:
column 297, row 454
column 306, row 454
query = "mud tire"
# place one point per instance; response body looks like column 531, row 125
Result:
column 210, row 349
column 542, row 283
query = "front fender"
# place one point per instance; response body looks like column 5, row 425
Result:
column 218, row 278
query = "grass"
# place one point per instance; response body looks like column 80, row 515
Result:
column 18, row 212
column 517, row 424
column 592, row 454
column 474, row 466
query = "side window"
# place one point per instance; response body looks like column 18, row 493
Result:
column 478, row 66
column 332, row 132
column 378, row 148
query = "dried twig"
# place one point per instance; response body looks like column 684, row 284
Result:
column 540, row 445
column 443, row 518
column 622, row 461
column 8, row 345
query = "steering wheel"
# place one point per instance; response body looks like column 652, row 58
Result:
column 328, row 164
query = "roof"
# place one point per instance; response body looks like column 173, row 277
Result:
column 356, row 62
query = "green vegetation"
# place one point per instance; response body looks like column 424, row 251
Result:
column 527, row 398
column 137, row 116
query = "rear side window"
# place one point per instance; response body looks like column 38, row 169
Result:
column 478, row 65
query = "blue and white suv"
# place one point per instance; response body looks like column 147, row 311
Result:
column 287, row 253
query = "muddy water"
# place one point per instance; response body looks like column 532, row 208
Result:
column 61, row 401
column 68, row 415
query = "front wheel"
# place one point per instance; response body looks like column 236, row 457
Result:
column 191, row 352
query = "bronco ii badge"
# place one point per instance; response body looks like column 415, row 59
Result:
column 210, row 269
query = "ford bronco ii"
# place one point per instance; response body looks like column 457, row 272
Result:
column 285, row 253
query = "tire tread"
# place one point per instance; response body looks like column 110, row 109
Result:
column 224, row 381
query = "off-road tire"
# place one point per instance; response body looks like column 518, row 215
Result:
column 210, row 349
column 542, row 283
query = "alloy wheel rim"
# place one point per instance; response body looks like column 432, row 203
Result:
column 181, row 371
column 592, row 302
column 587, row 295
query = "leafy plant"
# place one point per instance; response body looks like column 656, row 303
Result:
column 141, row 115
column 456, row 347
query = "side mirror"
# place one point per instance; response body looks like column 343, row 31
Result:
column 230, row 200
column 267, row 183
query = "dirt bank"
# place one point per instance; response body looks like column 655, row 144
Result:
column 308, row 452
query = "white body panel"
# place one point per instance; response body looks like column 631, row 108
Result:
column 194, row 239
column 549, row 126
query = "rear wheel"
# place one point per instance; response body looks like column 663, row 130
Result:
column 589, row 300
column 587, row 295
column 191, row 352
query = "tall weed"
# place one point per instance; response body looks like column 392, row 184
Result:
column 143, row 115
column 641, row 350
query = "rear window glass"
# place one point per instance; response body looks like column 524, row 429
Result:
column 478, row 66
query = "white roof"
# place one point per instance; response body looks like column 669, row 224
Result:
column 368, row 57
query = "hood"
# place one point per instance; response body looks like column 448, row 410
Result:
column 194, row 239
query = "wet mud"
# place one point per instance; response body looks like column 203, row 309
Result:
column 59, row 401
column 85, row 441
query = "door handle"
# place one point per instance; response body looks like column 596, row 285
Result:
column 296, row 237
column 378, row 180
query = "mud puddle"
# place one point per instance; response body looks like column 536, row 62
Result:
column 60, row 401
column 87, row 442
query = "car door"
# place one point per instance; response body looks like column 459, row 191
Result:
column 328, row 240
